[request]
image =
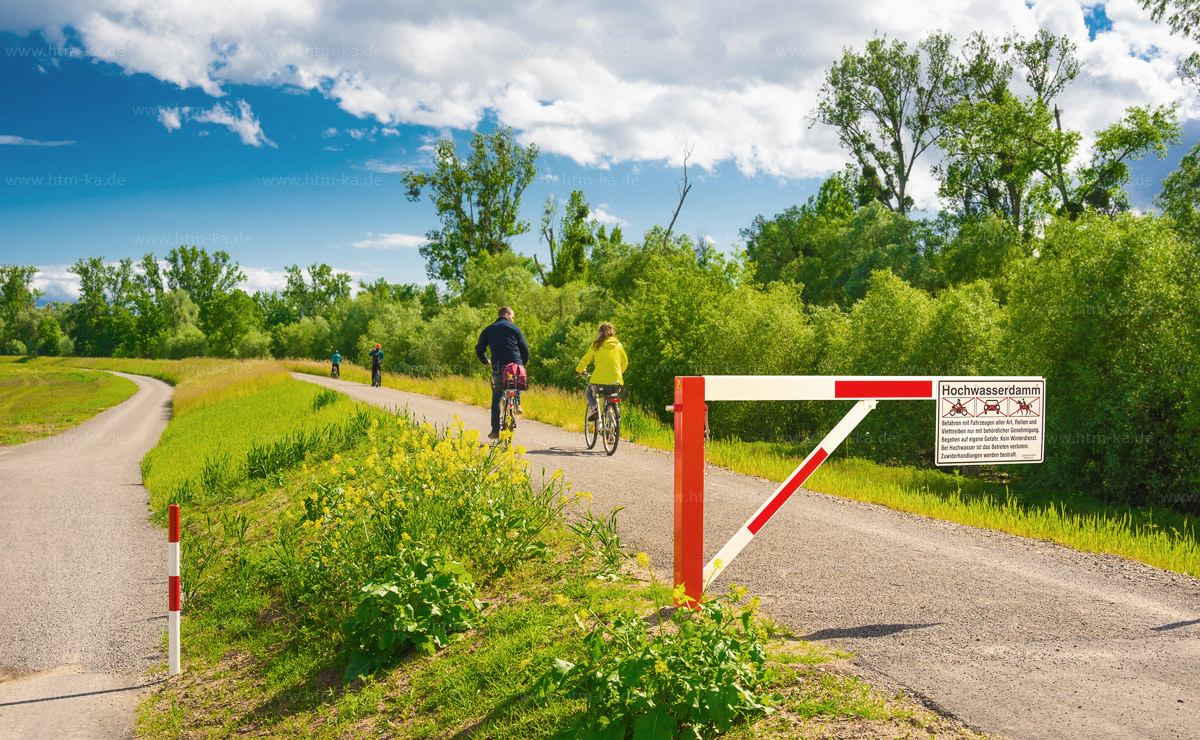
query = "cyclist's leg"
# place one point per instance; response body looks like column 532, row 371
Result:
column 497, row 393
column 591, row 398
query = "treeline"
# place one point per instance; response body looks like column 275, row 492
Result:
column 1033, row 267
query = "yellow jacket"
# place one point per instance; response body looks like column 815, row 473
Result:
column 610, row 361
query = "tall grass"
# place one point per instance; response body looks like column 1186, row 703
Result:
column 1162, row 538
column 204, row 454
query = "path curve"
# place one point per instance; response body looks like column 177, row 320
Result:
column 1011, row 635
column 82, row 574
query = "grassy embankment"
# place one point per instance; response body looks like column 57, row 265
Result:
column 37, row 401
column 1161, row 538
column 295, row 498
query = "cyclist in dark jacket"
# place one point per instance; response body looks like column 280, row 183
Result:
column 376, row 363
column 507, row 345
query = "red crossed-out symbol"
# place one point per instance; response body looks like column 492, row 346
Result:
column 1024, row 407
column 991, row 405
column 957, row 408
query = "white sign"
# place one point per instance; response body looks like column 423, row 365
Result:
column 990, row 421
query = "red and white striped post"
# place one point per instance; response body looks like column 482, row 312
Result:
column 173, row 590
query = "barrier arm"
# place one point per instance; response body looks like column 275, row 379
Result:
column 802, row 473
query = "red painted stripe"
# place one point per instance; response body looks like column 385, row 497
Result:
column 173, row 523
column 871, row 389
column 788, row 489
column 173, row 587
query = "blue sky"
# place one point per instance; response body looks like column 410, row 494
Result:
column 120, row 138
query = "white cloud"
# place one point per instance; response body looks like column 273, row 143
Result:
column 601, row 214
column 379, row 165
column 611, row 83
column 262, row 279
column 329, row 133
column 238, row 119
column 22, row 141
column 391, row 241
column 170, row 118
column 57, row 283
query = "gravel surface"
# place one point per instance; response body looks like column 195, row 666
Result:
column 1013, row 636
column 82, row 574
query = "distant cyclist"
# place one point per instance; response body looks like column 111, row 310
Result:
column 376, row 365
column 607, row 354
column 337, row 364
column 507, row 345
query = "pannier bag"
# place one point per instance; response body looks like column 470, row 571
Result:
column 514, row 376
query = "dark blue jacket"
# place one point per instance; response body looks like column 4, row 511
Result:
column 506, row 342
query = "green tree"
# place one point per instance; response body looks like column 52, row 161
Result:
column 886, row 103
column 794, row 245
column 1006, row 153
column 570, row 247
column 103, row 322
column 17, row 295
column 207, row 278
column 478, row 200
column 1145, row 130
column 317, row 295
column 50, row 335
column 1180, row 196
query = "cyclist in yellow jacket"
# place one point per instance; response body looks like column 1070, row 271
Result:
column 607, row 354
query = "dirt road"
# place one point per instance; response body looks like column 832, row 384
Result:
column 1013, row 636
column 82, row 575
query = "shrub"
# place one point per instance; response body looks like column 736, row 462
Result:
column 256, row 345
column 427, row 602
column 697, row 677
column 188, row 341
column 15, row 347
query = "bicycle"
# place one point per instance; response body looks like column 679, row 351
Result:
column 336, row 372
column 607, row 427
column 508, row 404
column 376, row 377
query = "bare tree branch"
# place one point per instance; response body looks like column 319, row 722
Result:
column 683, row 192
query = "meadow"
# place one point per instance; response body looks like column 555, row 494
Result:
column 37, row 401
column 1162, row 538
column 404, row 580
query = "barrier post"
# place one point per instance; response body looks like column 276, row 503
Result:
column 173, row 590
column 690, row 413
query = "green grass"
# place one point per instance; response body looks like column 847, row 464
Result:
column 213, row 446
column 261, row 659
column 1162, row 538
column 37, row 400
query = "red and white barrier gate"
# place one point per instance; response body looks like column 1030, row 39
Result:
column 173, row 590
column 692, row 395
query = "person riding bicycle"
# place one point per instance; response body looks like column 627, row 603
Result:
column 507, row 345
column 376, row 361
column 609, row 357
column 337, row 362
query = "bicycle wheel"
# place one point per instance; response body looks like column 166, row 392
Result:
column 508, row 422
column 589, row 428
column 612, row 428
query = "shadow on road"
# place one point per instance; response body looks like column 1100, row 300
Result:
column 1175, row 625
column 564, row 452
column 86, row 693
column 867, row 630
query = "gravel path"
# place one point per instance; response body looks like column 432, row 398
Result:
column 1014, row 636
column 82, row 574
